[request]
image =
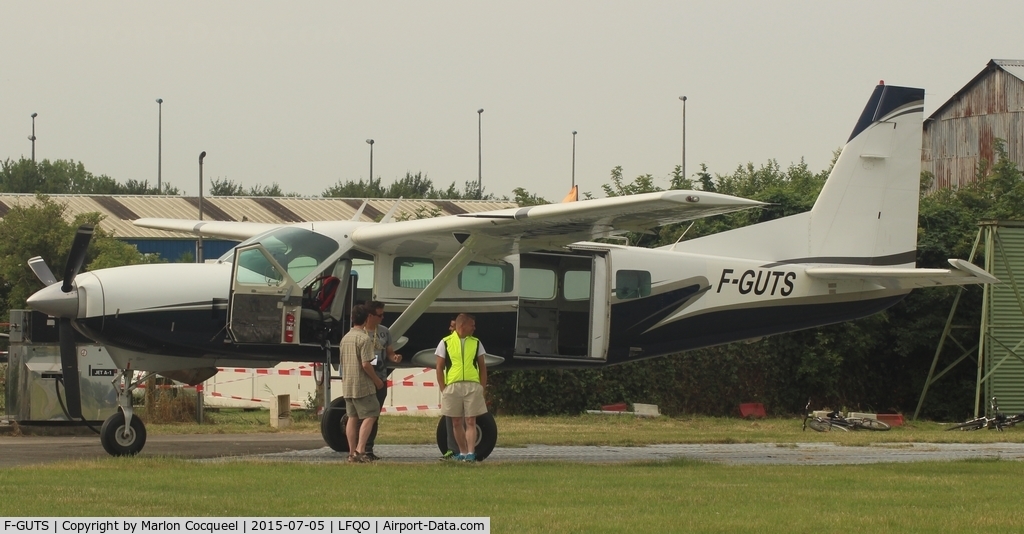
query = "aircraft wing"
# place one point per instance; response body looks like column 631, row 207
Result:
column 517, row 230
column 963, row 272
column 233, row 230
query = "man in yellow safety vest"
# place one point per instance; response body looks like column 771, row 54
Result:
column 462, row 376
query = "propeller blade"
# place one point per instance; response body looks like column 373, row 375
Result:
column 42, row 271
column 69, row 368
column 76, row 258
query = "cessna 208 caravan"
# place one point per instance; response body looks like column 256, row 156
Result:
column 545, row 293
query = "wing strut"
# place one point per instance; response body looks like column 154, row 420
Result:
column 434, row 288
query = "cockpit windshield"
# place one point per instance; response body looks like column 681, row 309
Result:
column 297, row 249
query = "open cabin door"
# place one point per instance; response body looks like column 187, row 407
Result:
column 563, row 306
column 265, row 301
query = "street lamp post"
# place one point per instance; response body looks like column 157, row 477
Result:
column 683, row 169
column 199, row 246
column 33, row 137
column 159, row 142
column 574, row 158
column 370, row 142
column 479, row 155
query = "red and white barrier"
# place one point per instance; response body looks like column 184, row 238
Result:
column 415, row 393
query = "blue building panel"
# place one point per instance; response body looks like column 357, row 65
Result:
column 173, row 250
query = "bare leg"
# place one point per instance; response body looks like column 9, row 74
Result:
column 365, row 427
column 352, row 433
column 460, row 434
column 470, row 435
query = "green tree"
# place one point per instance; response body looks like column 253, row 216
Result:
column 67, row 177
column 411, row 186
column 523, row 197
column 228, row 188
column 360, row 189
column 42, row 230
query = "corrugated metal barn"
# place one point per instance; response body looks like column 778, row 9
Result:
column 963, row 131
column 120, row 210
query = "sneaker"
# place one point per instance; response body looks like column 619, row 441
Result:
column 364, row 458
column 353, row 458
column 447, row 456
column 371, row 456
column 471, row 457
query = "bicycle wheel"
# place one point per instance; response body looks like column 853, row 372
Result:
column 1014, row 420
column 870, row 424
column 819, row 425
column 975, row 424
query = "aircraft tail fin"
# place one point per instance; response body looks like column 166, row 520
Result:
column 867, row 211
column 866, row 214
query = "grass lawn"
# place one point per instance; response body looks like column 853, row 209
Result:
column 679, row 495
column 649, row 497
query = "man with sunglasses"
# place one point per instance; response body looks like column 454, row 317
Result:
column 384, row 354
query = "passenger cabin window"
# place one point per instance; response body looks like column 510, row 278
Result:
column 632, row 284
column 413, row 273
column 364, row 269
column 537, row 284
column 486, row 278
column 576, row 285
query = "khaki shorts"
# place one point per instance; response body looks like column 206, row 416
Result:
column 363, row 407
column 463, row 399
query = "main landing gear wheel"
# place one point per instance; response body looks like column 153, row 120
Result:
column 486, row 436
column 118, row 440
column 332, row 425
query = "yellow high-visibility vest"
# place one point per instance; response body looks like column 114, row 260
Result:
column 461, row 365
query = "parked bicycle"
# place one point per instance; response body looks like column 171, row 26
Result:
column 998, row 421
column 835, row 420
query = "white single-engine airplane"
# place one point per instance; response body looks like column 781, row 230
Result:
column 544, row 293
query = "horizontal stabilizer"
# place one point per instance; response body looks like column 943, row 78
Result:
column 963, row 272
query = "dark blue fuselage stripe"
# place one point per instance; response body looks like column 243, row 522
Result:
column 198, row 333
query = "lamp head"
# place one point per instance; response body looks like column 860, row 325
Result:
column 159, row 101
column 369, row 141
column 34, row 115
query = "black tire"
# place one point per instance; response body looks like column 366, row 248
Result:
column 871, row 424
column 486, row 436
column 976, row 424
column 114, row 440
column 442, row 435
column 332, row 425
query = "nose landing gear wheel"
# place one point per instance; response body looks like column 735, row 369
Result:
column 120, row 441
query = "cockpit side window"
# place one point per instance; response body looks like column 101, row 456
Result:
column 297, row 249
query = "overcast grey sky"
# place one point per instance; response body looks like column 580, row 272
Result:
column 289, row 92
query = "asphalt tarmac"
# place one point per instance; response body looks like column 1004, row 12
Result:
column 21, row 451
